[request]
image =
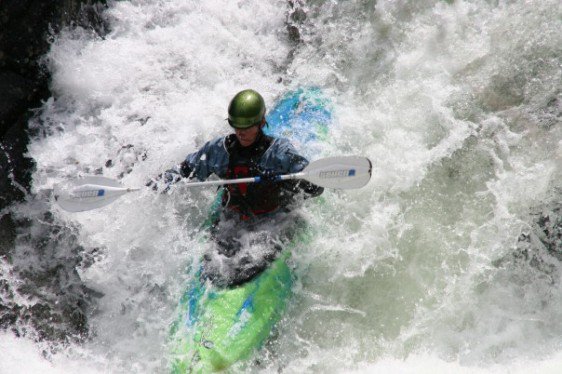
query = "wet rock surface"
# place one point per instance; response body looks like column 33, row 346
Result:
column 41, row 293
column 540, row 245
column 27, row 29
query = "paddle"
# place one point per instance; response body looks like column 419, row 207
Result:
column 94, row 192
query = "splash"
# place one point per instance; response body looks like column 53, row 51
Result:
column 443, row 260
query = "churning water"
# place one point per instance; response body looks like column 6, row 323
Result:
column 448, row 261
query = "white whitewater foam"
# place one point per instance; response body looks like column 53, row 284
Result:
column 456, row 106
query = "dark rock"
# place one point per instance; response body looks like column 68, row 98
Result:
column 27, row 29
column 14, row 94
column 43, row 268
column 550, row 231
column 295, row 18
column 7, row 235
column 44, row 271
column 540, row 245
column 15, row 167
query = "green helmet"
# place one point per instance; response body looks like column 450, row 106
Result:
column 246, row 109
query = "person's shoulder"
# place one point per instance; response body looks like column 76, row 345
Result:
column 219, row 142
column 279, row 140
column 214, row 146
column 218, row 139
column 281, row 143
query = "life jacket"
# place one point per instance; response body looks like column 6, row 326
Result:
column 249, row 199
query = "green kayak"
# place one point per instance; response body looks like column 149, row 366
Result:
column 218, row 326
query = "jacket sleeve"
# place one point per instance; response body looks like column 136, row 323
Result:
column 212, row 158
column 290, row 161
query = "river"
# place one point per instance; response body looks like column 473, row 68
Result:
column 447, row 261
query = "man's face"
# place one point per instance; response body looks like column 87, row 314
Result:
column 247, row 136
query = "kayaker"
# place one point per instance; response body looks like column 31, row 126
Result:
column 248, row 152
column 255, row 214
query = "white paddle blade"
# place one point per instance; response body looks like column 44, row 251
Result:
column 339, row 172
column 88, row 193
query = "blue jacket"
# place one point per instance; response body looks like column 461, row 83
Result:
column 267, row 157
column 280, row 158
